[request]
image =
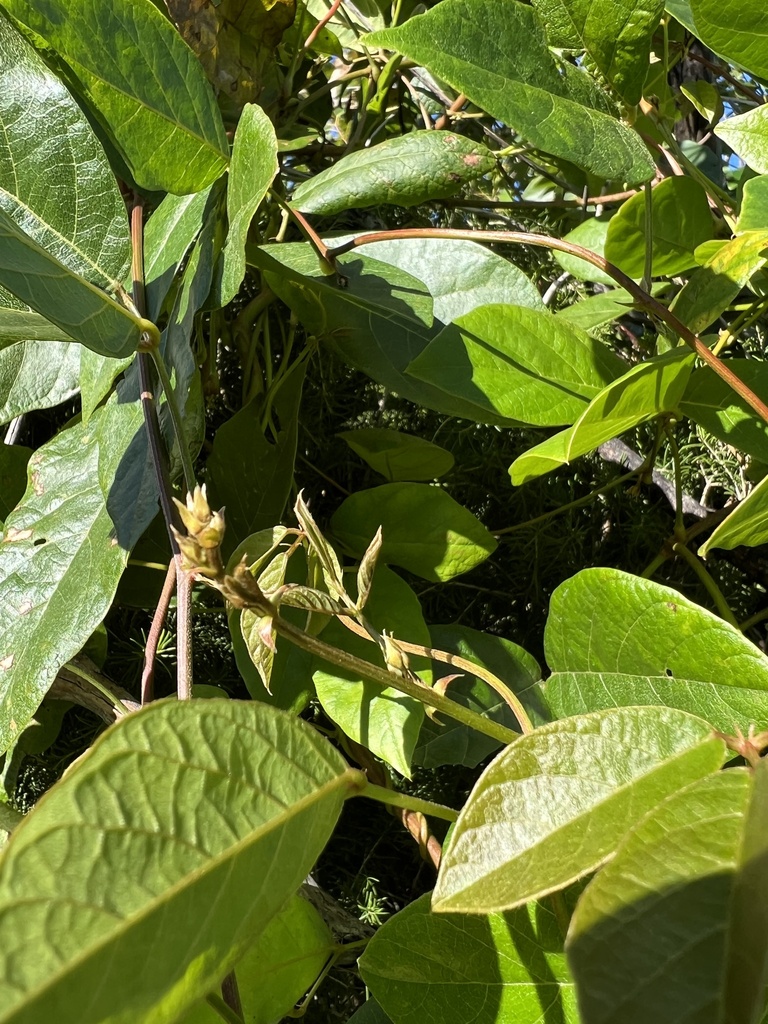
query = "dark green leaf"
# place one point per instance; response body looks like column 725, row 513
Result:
column 231, row 804
column 399, row 456
column 680, row 221
column 495, row 52
column 405, row 171
column 613, row 639
column 557, row 802
column 370, row 1013
column 425, row 530
column 144, row 83
column 424, row 967
column 675, row 926
column 13, row 476
column 713, row 404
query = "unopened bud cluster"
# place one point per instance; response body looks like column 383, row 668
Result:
column 201, row 546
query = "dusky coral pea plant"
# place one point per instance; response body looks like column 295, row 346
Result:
column 199, row 204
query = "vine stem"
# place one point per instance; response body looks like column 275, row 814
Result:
column 643, row 300
column 407, row 802
column 709, row 584
column 218, row 1005
column 153, row 638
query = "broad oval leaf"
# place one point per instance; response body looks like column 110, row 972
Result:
column 680, row 221
column 753, row 215
column 495, row 52
column 675, row 926
column 519, row 364
column 143, row 82
column 399, row 456
column 405, row 171
column 425, row 967
column 556, row 803
column 747, row 135
column 425, row 530
column 740, row 33
column 230, row 805
column 597, row 645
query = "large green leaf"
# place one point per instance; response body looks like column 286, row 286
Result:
column 143, row 82
column 399, row 456
column 675, row 927
column 644, row 392
column 495, row 52
column 556, row 803
column 172, row 876
column 425, row 530
column 37, row 375
column 713, row 404
column 278, row 968
column 425, row 968
column 747, row 524
column 253, row 166
column 613, row 639
column 590, row 234
column 747, row 135
column 753, row 215
column 90, row 496
column 739, row 33
column 716, row 284
column 405, row 171
column 387, row 722
column 680, row 221
column 519, row 364
column 615, row 33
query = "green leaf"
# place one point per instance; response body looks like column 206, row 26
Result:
column 615, row 33
column 705, row 98
column 556, row 803
column 37, row 375
column 596, row 310
column 232, row 803
column 495, row 52
column 714, row 405
column 590, row 234
column 249, row 475
column 459, row 275
column 90, row 496
column 747, row 135
column 399, row 456
column 740, row 34
column 144, row 84
column 747, row 524
column 425, row 967
column 754, row 205
column 674, row 927
column 278, row 968
column 680, row 221
column 253, row 166
column 598, row 648
column 713, row 287
column 520, row 364
column 681, row 10
column 644, row 392
column 22, row 325
column 387, row 722
column 403, row 171
column 13, row 476
column 425, row 530
column 370, row 1013
column 450, row 742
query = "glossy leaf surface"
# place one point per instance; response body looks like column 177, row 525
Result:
column 144, row 83
column 596, row 643
column 698, row 859
column 495, row 52
column 555, row 804
column 747, row 524
column 740, row 33
column 129, row 876
column 425, row 530
column 427, row 967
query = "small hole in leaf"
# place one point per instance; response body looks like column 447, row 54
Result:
column 669, row 672
column 39, row 541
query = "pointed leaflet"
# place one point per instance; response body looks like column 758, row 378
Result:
column 385, row 721
column 747, row 524
column 614, row 639
column 253, row 166
column 91, row 495
column 495, row 52
column 144, row 84
column 398, row 456
column 404, row 171
column 519, row 364
column 738, row 33
column 179, row 872
column 714, row 405
column 675, row 927
column 279, row 968
column 425, row 968
column 644, row 392
column 615, row 33
column 747, row 135
column 557, row 802
column 425, row 530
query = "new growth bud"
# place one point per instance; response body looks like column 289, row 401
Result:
column 205, row 532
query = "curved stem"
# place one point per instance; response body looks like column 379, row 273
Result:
column 643, row 300
column 709, row 584
column 408, row 802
